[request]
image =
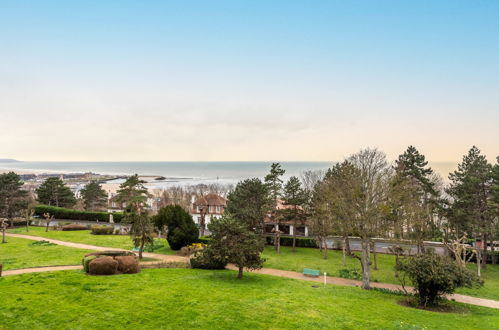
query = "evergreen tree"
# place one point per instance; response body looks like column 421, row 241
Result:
column 133, row 193
column 94, row 197
column 12, row 198
column 295, row 197
column 470, row 188
column 182, row 230
column 249, row 203
column 54, row 192
column 274, row 182
column 234, row 242
column 141, row 230
column 413, row 164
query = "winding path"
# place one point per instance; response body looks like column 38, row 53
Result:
column 266, row 271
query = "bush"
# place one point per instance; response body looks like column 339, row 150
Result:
column 103, row 266
column 434, row 276
column 191, row 249
column 73, row 226
column 206, row 259
column 156, row 244
column 86, row 260
column 181, row 228
column 204, row 240
column 300, row 241
column 102, row 230
column 352, row 274
column 110, row 253
column 128, row 264
column 69, row 214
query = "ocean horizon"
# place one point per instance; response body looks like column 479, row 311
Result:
column 223, row 171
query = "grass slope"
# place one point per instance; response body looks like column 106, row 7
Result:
column 21, row 253
column 84, row 236
column 312, row 258
column 188, row 298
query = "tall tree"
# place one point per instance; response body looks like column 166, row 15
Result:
column 274, row 182
column 94, row 197
column 141, row 230
column 369, row 205
column 13, row 199
column 133, row 193
column 249, row 203
column 294, row 198
column 182, row 230
column 470, row 187
column 54, row 192
column 234, row 242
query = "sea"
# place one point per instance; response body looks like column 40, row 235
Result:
column 184, row 173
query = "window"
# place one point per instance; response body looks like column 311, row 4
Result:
column 218, row 209
column 211, row 209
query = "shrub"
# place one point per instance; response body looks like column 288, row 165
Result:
column 74, row 226
column 128, row 264
column 352, row 274
column 103, row 266
column 191, row 249
column 42, row 243
column 69, row 214
column 86, row 260
column 110, row 253
column 433, row 276
column 206, row 259
column 300, row 241
column 204, row 239
column 102, row 230
column 156, row 244
column 181, row 228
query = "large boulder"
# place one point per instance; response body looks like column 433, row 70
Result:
column 128, row 264
column 103, row 266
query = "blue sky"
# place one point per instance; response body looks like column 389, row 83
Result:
column 247, row 80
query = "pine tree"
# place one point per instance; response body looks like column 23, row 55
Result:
column 133, row 193
column 54, row 192
column 470, row 189
column 274, row 182
column 94, row 197
column 294, row 196
column 249, row 203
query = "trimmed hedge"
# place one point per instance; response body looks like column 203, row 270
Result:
column 300, row 241
column 69, row 214
column 101, row 230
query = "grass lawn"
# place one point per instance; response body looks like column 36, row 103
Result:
column 189, row 298
column 84, row 236
column 312, row 258
column 21, row 253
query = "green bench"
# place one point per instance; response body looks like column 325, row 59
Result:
column 311, row 272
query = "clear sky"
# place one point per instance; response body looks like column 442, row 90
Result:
column 247, row 80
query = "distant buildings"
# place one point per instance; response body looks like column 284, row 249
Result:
column 209, row 206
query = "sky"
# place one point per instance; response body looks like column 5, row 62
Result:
column 247, row 80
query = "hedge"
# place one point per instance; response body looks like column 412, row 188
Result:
column 300, row 241
column 69, row 214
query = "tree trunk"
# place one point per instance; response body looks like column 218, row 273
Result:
column 493, row 251
column 3, row 234
column 324, row 249
column 141, row 248
column 240, row 273
column 365, row 263
column 47, row 226
column 347, row 245
column 478, row 261
column 344, row 259
column 484, row 246
column 294, row 240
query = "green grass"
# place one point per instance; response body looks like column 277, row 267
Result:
column 188, row 298
column 312, row 258
column 21, row 253
column 84, row 236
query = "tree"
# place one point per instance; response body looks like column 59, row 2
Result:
column 369, row 203
column 133, row 193
column 294, row 197
column 274, row 182
column 141, row 230
column 54, row 192
column 413, row 198
column 433, row 276
column 94, row 197
column 470, row 187
column 334, row 197
column 232, row 240
column 249, row 203
column 182, row 230
column 12, row 198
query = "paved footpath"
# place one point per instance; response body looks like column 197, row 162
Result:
column 266, row 271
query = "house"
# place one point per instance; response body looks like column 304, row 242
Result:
column 286, row 227
column 209, row 206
